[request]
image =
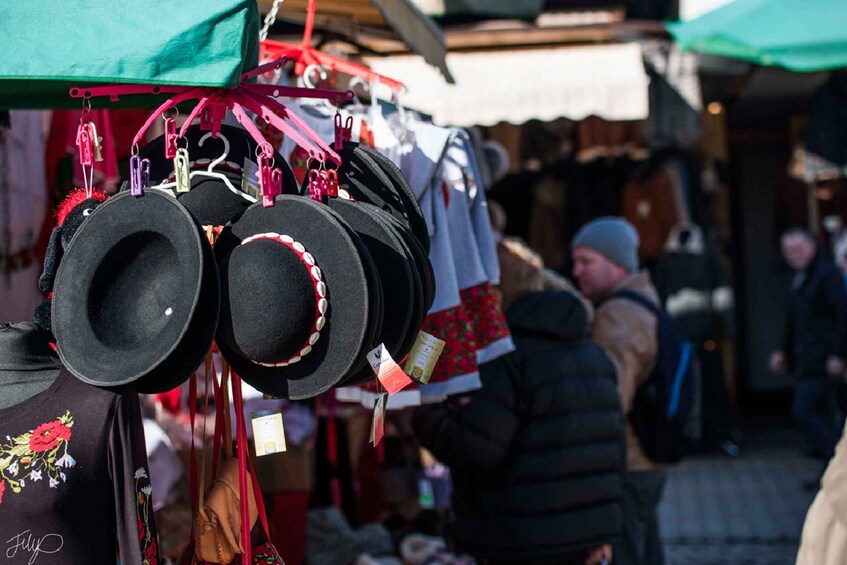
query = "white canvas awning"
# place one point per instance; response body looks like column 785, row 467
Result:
column 515, row 86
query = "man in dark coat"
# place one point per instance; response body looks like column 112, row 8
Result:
column 538, row 454
column 815, row 340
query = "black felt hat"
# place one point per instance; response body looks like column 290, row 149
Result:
column 394, row 268
column 296, row 300
column 211, row 201
column 414, row 216
column 136, row 296
column 366, row 180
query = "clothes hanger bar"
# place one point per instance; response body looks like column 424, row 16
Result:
column 194, row 113
column 278, row 109
column 262, row 69
column 247, row 123
column 305, row 55
column 299, row 92
column 259, row 108
column 310, row 23
column 190, row 94
column 114, row 91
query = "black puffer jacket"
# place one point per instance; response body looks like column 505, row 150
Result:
column 538, row 454
column 817, row 320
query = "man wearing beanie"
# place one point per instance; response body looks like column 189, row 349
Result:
column 605, row 254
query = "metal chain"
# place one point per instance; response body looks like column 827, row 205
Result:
column 270, row 18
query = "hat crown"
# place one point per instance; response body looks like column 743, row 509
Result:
column 273, row 330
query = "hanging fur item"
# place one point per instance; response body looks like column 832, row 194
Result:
column 70, row 214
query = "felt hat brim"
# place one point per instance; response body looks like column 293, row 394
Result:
column 414, row 215
column 392, row 265
column 136, row 294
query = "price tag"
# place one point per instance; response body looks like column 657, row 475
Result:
column 250, row 179
column 378, row 424
column 423, row 357
column 268, row 434
column 387, row 370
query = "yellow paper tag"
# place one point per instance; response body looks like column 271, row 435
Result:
column 378, row 424
column 268, row 433
column 423, row 357
column 387, row 370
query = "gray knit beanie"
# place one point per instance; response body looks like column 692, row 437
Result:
column 612, row 237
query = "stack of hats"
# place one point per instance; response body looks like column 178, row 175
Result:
column 295, row 295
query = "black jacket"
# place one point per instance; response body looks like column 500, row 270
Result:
column 817, row 320
column 538, row 454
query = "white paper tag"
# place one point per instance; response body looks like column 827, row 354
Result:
column 268, row 433
column 378, row 423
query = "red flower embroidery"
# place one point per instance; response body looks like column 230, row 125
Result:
column 459, row 356
column 152, row 553
column 48, row 436
column 483, row 306
column 2, row 490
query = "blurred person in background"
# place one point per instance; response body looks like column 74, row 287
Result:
column 537, row 455
column 605, row 256
column 814, row 347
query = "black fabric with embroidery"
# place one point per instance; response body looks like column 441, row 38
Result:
column 74, row 481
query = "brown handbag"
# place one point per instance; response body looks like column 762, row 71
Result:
column 218, row 527
column 219, row 517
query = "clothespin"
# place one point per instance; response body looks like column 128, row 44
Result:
column 85, row 145
column 97, row 141
column 139, row 175
column 170, row 138
column 182, row 172
column 317, row 186
column 331, row 183
column 270, row 179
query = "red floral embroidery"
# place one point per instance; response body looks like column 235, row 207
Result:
column 2, row 490
column 453, row 326
column 146, row 538
column 48, row 436
column 37, row 455
column 482, row 304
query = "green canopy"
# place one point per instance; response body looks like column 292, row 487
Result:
column 800, row 36
column 50, row 45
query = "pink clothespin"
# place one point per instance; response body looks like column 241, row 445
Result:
column 317, row 186
column 170, row 138
column 212, row 116
column 269, row 177
column 85, row 145
column 339, row 132
column 331, row 183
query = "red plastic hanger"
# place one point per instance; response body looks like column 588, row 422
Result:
column 305, row 55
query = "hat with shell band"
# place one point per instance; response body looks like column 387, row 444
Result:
column 294, row 298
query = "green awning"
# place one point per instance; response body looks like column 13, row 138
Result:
column 50, row 45
column 799, row 36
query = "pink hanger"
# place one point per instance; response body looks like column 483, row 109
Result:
column 189, row 94
column 259, row 106
column 303, row 126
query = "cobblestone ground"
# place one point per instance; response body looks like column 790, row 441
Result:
column 747, row 511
